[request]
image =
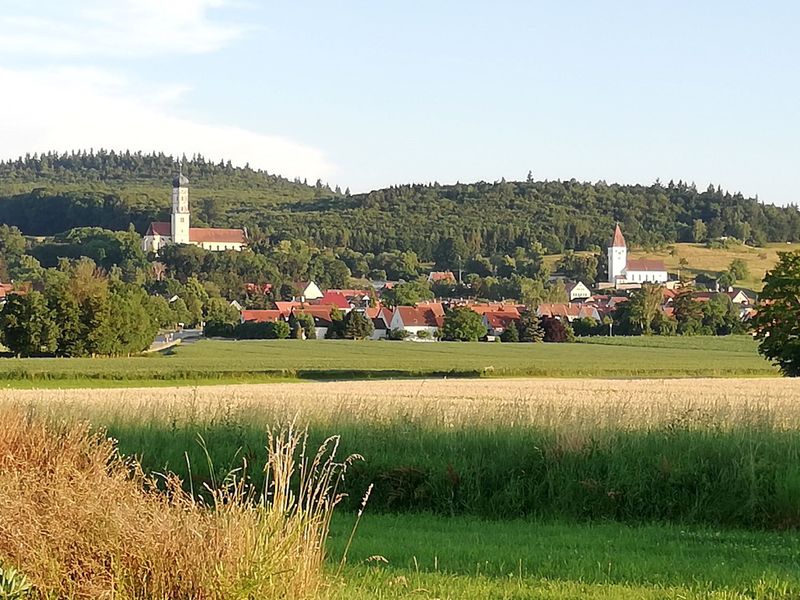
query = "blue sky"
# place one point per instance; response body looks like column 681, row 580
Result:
column 370, row 94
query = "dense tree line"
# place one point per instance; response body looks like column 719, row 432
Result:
column 50, row 193
column 449, row 225
column 80, row 312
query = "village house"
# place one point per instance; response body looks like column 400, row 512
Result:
column 497, row 322
column 740, row 297
column 417, row 322
column 308, row 290
column 321, row 316
column 346, row 298
column 381, row 320
column 261, row 316
column 5, row 290
column 179, row 231
column 577, row 291
column 331, row 298
column 568, row 312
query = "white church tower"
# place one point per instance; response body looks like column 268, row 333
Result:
column 617, row 256
column 180, row 209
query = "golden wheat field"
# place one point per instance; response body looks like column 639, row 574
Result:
column 544, row 402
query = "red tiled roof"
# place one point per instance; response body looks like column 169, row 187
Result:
column 261, row 316
column 618, row 241
column 500, row 320
column 378, row 311
column 413, row 316
column 559, row 310
column 669, row 294
column 217, row 236
column 436, row 307
column 350, row 293
column 201, row 234
column 569, row 311
column 436, row 276
column 644, row 264
column 287, row 307
column 482, row 309
column 159, row 228
column 313, row 310
column 330, row 298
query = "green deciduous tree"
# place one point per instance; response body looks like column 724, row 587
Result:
column 579, row 267
column 408, row 294
column 463, row 325
column 278, row 330
column 644, row 306
column 699, row 231
column 27, row 325
column 739, row 269
column 777, row 323
column 688, row 314
column 220, row 311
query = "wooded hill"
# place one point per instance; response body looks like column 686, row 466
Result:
column 45, row 195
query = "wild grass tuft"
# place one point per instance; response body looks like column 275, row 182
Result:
column 80, row 521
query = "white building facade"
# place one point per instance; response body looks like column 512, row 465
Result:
column 622, row 270
column 179, row 230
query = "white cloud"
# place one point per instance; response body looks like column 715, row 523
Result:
column 118, row 28
column 80, row 108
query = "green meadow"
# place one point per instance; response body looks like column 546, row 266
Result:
column 216, row 361
column 423, row 556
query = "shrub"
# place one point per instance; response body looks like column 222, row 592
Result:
column 586, row 326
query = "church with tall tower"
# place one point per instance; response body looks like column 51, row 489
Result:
column 179, row 231
column 624, row 270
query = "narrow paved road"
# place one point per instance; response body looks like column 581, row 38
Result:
column 167, row 340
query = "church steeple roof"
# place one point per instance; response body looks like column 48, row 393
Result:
column 618, row 241
column 180, row 180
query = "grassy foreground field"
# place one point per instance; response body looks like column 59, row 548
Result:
column 214, row 361
column 435, row 557
column 518, row 488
